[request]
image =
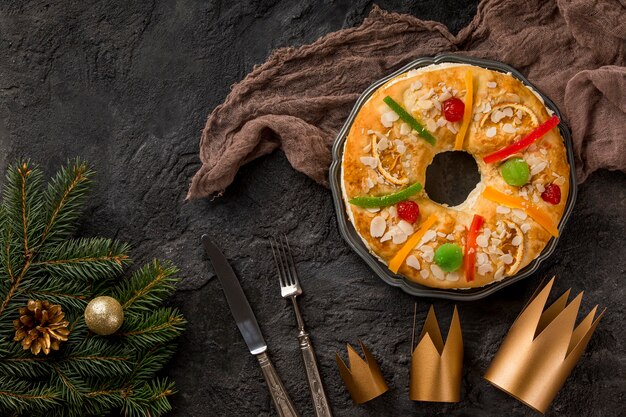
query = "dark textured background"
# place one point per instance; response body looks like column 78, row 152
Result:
column 129, row 90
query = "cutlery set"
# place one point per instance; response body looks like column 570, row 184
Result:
column 248, row 326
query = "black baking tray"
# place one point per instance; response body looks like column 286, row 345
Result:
column 350, row 235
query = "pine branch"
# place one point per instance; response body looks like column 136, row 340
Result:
column 147, row 287
column 97, row 358
column 59, row 296
column 64, row 200
column 152, row 362
column 145, row 330
column 23, row 214
column 72, row 295
column 149, row 400
column 90, row 375
column 71, row 386
column 104, row 399
column 86, row 259
column 10, row 254
column 24, row 208
column 20, row 363
column 21, row 397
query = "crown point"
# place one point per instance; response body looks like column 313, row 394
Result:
column 436, row 368
column 541, row 349
column 364, row 380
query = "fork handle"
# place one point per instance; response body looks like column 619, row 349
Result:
column 320, row 401
column 284, row 405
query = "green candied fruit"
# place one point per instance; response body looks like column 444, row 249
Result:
column 449, row 257
column 515, row 172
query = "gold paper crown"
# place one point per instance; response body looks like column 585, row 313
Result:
column 364, row 379
column 436, row 368
column 541, row 349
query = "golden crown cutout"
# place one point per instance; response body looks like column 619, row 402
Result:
column 363, row 379
column 436, row 368
column 542, row 348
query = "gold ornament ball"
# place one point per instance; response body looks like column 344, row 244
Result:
column 104, row 315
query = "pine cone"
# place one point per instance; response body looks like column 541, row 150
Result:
column 41, row 327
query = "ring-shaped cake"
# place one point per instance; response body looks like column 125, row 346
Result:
column 504, row 223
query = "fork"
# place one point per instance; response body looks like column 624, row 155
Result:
column 290, row 288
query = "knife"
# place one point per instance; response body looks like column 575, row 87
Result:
column 249, row 327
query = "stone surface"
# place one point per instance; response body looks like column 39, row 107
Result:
column 128, row 88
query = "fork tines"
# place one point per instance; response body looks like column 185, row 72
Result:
column 287, row 272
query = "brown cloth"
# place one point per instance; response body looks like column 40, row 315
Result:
column 572, row 50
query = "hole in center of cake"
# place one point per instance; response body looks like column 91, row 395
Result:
column 451, row 177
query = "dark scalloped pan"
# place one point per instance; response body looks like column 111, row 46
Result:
column 350, row 235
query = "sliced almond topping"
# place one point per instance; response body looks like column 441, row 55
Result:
column 406, row 227
column 482, row 258
column 536, row 169
column 496, row 116
column 453, row 276
column 452, row 127
column 437, row 272
column 499, row 273
column 391, row 178
column 507, row 258
column 431, row 125
column 514, row 247
column 413, row 262
column 507, row 111
column 520, row 214
column 378, row 226
column 400, row 146
column 427, row 255
column 482, row 241
column 369, row 161
column 425, row 104
column 388, row 117
column 399, row 237
column 430, row 235
column 508, row 128
column 484, row 269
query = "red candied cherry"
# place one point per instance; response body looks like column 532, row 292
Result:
column 552, row 194
column 408, row 211
column 453, row 109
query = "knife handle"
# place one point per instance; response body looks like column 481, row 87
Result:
column 320, row 402
column 281, row 399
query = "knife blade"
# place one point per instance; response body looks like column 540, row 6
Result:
column 237, row 301
column 249, row 328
